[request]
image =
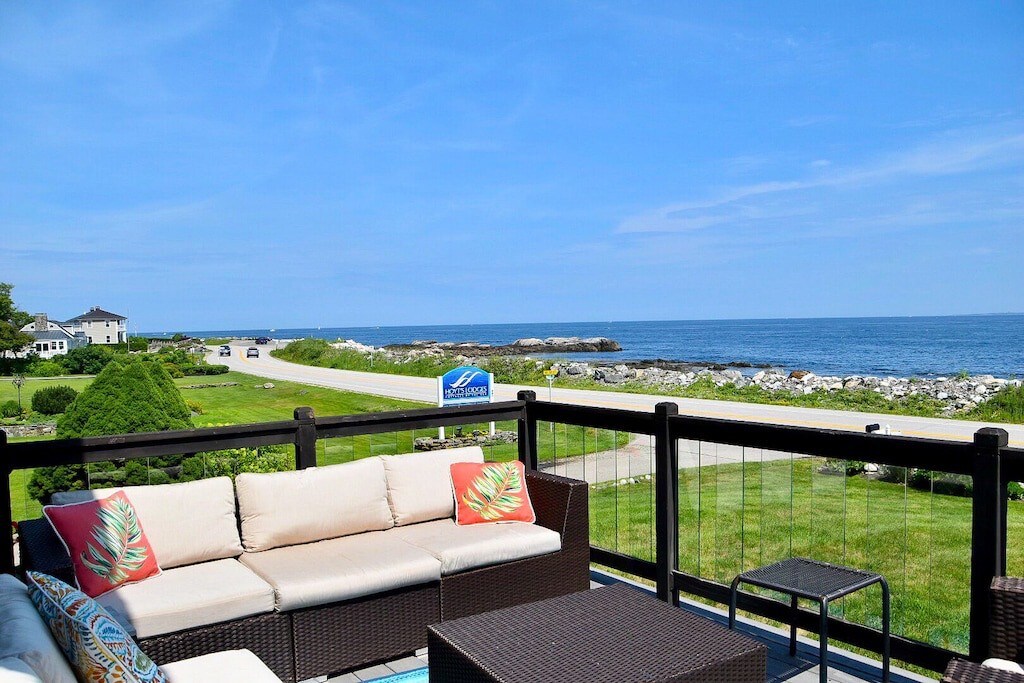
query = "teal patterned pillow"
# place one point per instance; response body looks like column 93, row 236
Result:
column 97, row 646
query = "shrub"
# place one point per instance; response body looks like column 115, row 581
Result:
column 138, row 344
column 45, row 368
column 10, row 409
column 839, row 466
column 53, row 400
column 87, row 360
column 173, row 370
column 205, row 369
column 195, row 407
column 129, row 395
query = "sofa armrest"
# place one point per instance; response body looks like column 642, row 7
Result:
column 561, row 505
column 42, row 551
column 1006, row 639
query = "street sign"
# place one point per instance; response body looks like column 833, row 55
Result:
column 464, row 385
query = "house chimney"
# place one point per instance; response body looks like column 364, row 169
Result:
column 41, row 322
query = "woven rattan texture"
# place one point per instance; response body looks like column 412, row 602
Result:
column 960, row 671
column 1006, row 621
column 344, row 636
column 269, row 636
column 809, row 577
column 331, row 638
column 42, row 551
column 561, row 505
column 608, row 634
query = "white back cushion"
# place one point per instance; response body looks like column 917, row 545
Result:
column 420, row 484
column 24, row 634
column 186, row 523
column 288, row 508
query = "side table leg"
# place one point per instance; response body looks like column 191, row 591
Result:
column 885, row 630
column 732, row 602
column 793, row 627
column 823, row 643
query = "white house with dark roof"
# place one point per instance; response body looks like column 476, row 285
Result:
column 100, row 327
column 52, row 338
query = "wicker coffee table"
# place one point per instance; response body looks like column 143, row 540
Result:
column 820, row 581
column 616, row 633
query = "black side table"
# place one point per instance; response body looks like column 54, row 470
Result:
column 820, row 581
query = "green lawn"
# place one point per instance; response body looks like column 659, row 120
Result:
column 245, row 403
column 736, row 517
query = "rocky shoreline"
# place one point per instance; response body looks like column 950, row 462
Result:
column 959, row 393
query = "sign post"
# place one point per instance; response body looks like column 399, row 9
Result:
column 465, row 385
column 550, row 375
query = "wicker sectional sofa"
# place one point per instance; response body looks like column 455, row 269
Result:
column 326, row 569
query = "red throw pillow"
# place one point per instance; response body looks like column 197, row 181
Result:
column 491, row 492
column 105, row 540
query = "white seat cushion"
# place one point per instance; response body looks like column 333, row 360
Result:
column 478, row 545
column 24, row 634
column 420, row 484
column 342, row 569
column 287, row 508
column 186, row 597
column 229, row 665
column 185, row 523
column 1003, row 665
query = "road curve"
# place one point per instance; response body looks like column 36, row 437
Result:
column 425, row 389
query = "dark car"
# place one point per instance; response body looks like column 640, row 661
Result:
column 224, row 350
column 262, row 340
column 252, row 352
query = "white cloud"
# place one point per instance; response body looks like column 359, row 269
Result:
column 956, row 153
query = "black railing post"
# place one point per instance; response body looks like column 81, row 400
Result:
column 988, row 525
column 527, row 431
column 666, row 502
column 305, row 438
column 6, row 515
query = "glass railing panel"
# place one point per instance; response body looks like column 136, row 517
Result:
column 827, row 511
column 729, row 504
column 689, row 507
column 776, row 501
column 634, row 455
column 752, row 541
column 707, row 456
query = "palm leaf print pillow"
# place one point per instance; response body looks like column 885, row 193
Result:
column 106, row 542
column 491, row 492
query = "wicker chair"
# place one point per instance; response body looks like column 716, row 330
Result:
column 1006, row 639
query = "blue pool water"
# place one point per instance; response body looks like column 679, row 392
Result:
column 911, row 346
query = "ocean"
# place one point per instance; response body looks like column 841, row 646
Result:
column 904, row 347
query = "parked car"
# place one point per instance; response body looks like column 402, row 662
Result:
column 252, row 352
column 262, row 340
column 224, row 350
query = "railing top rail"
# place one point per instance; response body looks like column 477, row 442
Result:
column 633, row 421
column 420, row 418
column 29, row 454
column 900, row 451
column 1013, row 463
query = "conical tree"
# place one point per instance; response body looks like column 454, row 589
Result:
column 128, row 396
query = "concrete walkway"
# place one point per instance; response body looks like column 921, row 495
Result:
column 425, row 389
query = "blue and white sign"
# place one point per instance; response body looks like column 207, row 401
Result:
column 464, row 386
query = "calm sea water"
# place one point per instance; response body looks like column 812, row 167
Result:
column 918, row 346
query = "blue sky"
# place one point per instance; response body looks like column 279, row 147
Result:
column 232, row 165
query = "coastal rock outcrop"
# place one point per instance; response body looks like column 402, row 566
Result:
column 959, row 393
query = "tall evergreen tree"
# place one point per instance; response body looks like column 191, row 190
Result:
column 129, row 396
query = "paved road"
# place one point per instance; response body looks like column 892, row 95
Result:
column 425, row 389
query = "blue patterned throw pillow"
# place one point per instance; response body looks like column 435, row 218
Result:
column 97, row 646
